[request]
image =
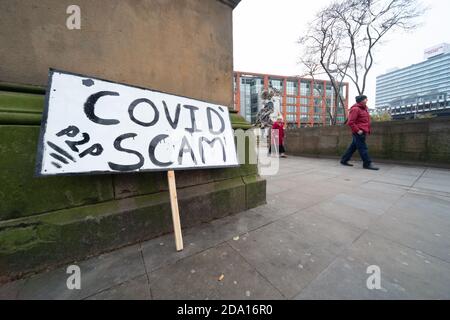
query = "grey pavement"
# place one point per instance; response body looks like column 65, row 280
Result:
column 322, row 227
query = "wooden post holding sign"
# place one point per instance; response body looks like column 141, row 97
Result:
column 175, row 212
column 95, row 126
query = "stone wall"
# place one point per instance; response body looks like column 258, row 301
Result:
column 47, row 221
column 425, row 141
column 182, row 47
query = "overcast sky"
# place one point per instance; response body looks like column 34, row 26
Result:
column 266, row 31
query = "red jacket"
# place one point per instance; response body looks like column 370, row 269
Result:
column 280, row 133
column 359, row 118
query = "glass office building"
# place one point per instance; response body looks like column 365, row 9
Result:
column 304, row 102
column 419, row 88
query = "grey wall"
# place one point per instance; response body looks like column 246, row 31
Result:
column 424, row 141
column 178, row 46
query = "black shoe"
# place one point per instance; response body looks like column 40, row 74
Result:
column 371, row 167
column 346, row 164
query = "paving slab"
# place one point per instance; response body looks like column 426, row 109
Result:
column 278, row 207
column 437, row 173
column 420, row 275
column 324, row 188
column 322, row 226
column 281, row 185
column 311, row 176
column 298, row 199
column 347, row 280
column 401, row 180
column 362, row 202
column 218, row 273
column 436, row 183
column 425, row 205
column 385, row 188
column 160, row 252
column 320, row 231
column 418, row 222
column 352, row 216
column 406, row 171
column 10, row 291
column 135, row 289
column 283, row 258
column 388, row 197
column 97, row 274
column 442, row 180
column 348, row 181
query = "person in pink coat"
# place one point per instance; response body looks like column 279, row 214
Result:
column 278, row 134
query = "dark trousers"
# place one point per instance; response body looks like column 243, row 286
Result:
column 280, row 149
column 358, row 143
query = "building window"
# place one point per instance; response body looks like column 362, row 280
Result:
column 305, row 89
column 290, row 100
column 277, row 84
column 291, row 117
column 291, row 109
column 304, row 101
column 318, row 89
column 291, row 88
column 318, row 102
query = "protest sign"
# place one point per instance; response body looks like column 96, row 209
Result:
column 97, row 126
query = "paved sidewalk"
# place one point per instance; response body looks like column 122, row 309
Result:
column 323, row 225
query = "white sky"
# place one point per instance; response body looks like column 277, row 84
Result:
column 266, row 33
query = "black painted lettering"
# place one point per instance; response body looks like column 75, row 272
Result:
column 70, row 131
column 118, row 147
column 173, row 123
column 184, row 148
column 211, row 143
column 58, row 157
column 89, row 108
column 73, row 144
column 193, row 127
column 152, row 148
column 95, row 150
column 134, row 104
column 210, row 122
column 60, row 151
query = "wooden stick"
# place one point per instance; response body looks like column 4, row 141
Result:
column 175, row 212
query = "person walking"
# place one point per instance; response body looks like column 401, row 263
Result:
column 277, row 137
column 359, row 122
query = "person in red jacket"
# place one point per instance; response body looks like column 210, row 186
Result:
column 359, row 122
column 277, row 137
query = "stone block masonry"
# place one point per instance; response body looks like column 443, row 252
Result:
column 418, row 142
column 45, row 222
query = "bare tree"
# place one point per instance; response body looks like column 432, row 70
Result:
column 367, row 23
column 314, row 69
column 344, row 36
column 322, row 50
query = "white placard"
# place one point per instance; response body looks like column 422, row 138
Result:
column 96, row 126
